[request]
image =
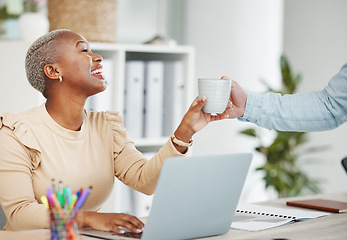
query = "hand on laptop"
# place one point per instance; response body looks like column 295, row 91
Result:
column 110, row 221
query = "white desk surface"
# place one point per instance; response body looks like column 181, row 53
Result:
column 333, row 226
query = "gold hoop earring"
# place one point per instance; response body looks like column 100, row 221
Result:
column 60, row 79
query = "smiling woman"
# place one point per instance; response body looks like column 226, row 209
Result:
column 65, row 52
column 61, row 140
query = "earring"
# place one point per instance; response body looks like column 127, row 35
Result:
column 60, row 79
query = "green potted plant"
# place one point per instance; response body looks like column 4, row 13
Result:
column 4, row 17
column 281, row 169
column 33, row 23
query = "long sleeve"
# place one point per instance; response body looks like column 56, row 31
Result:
column 130, row 166
column 137, row 172
column 306, row 112
column 16, row 190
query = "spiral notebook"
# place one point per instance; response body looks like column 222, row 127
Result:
column 253, row 217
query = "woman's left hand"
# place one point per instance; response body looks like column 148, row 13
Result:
column 195, row 119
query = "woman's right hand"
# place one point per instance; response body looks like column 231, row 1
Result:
column 109, row 221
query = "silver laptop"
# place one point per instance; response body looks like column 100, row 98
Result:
column 195, row 197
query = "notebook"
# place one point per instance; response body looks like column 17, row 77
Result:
column 254, row 217
column 321, row 204
column 195, row 197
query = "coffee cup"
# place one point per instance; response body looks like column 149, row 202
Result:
column 217, row 92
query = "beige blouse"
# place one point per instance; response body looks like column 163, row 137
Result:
column 34, row 149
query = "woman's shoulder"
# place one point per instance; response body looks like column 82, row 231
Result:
column 19, row 126
column 105, row 117
column 14, row 120
column 111, row 122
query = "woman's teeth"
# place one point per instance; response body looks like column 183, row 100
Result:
column 97, row 71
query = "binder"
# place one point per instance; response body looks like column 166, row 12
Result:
column 154, row 84
column 174, row 104
column 134, row 98
column 103, row 100
column 143, row 202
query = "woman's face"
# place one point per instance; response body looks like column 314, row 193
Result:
column 79, row 67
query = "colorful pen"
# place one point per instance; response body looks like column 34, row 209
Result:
column 73, row 201
column 60, row 194
column 44, row 200
column 54, row 187
column 57, row 205
column 82, row 198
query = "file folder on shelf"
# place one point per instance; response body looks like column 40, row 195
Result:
column 134, row 94
column 154, row 85
column 174, row 107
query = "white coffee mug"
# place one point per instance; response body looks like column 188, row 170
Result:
column 217, row 92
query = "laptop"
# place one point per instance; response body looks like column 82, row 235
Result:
column 195, row 197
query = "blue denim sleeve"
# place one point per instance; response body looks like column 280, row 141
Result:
column 305, row 112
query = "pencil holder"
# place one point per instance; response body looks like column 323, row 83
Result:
column 63, row 228
column 63, row 206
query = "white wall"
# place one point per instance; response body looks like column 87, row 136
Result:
column 137, row 20
column 315, row 40
column 243, row 40
column 16, row 94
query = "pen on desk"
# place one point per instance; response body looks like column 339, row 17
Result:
column 82, row 198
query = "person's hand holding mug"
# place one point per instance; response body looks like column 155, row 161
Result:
column 237, row 100
column 217, row 93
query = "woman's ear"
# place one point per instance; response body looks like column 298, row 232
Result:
column 51, row 72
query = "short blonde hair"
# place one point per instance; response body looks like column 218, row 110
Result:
column 39, row 54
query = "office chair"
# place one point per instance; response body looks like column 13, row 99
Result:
column 344, row 163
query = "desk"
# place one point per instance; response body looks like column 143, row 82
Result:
column 333, row 226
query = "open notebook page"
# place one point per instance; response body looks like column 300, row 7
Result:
column 253, row 217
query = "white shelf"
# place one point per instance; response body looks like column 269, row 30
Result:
column 145, row 142
column 142, row 48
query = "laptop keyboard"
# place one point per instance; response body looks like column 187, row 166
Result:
column 129, row 235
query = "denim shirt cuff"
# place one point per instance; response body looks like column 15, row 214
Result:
column 253, row 107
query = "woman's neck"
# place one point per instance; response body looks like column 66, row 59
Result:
column 69, row 115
